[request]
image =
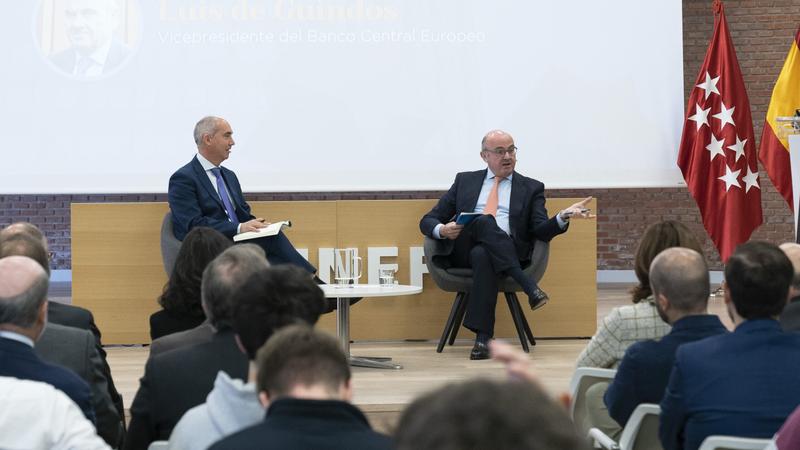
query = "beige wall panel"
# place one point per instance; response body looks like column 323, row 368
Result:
column 117, row 270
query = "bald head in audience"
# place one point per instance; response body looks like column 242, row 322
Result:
column 680, row 282
column 23, row 296
column 25, row 239
column 790, row 316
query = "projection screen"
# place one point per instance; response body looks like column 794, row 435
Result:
column 340, row 95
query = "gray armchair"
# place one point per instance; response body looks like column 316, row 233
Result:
column 460, row 281
column 169, row 244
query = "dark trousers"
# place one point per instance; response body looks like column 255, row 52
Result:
column 489, row 252
column 280, row 250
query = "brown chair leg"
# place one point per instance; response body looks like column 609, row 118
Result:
column 462, row 310
column 450, row 321
column 519, row 318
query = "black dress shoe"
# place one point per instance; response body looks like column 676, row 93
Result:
column 479, row 351
column 537, row 299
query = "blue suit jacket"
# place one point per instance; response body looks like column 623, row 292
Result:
column 527, row 219
column 195, row 203
column 742, row 384
column 644, row 371
column 18, row 360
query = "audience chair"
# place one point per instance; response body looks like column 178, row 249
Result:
column 459, row 280
column 158, row 445
column 169, row 244
column 582, row 379
column 640, row 433
column 734, row 443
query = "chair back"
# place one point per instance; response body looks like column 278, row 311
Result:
column 641, row 431
column 582, row 380
column 158, row 445
column 169, row 244
column 734, row 443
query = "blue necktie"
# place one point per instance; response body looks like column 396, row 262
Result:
column 223, row 193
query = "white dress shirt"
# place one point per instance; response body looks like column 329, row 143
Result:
column 91, row 65
column 36, row 416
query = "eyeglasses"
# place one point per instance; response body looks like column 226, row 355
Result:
column 500, row 151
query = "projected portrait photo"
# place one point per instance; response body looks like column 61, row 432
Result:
column 88, row 38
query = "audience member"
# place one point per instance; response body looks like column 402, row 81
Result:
column 23, row 316
column 37, row 416
column 75, row 349
column 214, row 299
column 63, row 340
column 263, row 302
column 182, row 309
column 680, row 284
column 741, row 383
column 632, row 323
column 485, row 414
column 790, row 317
column 304, row 382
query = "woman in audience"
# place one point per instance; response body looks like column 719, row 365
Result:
column 181, row 298
column 625, row 325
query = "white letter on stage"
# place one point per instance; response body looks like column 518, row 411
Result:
column 374, row 262
column 418, row 267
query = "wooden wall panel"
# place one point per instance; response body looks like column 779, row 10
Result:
column 118, row 274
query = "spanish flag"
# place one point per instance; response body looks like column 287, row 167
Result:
column 774, row 151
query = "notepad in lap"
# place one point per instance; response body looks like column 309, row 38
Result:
column 465, row 218
column 270, row 230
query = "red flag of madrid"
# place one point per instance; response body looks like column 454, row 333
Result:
column 717, row 154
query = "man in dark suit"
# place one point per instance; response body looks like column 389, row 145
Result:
column 23, row 316
column 303, row 380
column 75, row 349
column 25, row 239
column 742, row 383
column 202, row 193
column 680, row 283
column 500, row 241
column 790, row 317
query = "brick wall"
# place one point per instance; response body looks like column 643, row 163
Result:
column 762, row 32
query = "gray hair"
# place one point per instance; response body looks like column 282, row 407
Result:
column 206, row 125
column 17, row 228
column 681, row 275
column 22, row 309
column 224, row 275
column 792, row 252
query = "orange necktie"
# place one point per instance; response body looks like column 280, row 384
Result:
column 491, row 202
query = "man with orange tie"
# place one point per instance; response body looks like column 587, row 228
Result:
column 500, row 241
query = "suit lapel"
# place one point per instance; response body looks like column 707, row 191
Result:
column 519, row 191
column 474, row 189
column 201, row 175
column 234, row 192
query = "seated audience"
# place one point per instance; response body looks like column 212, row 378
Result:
column 180, row 379
column 680, row 283
column 37, row 416
column 628, row 324
column 214, row 300
column 181, row 297
column 277, row 298
column 790, row 317
column 71, row 347
column 304, row 382
column 485, row 414
column 741, row 383
column 23, row 316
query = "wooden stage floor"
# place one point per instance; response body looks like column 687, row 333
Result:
column 383, row 394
